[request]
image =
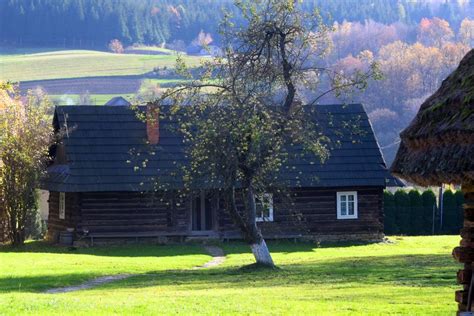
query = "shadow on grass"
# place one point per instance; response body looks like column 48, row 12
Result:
column 178, row 249
column 412, row 270
column 129, row 250
column 156, row 250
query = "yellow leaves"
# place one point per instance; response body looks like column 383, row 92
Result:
column 466, row 32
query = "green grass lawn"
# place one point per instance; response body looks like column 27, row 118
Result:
column 80, row 63
column 413, row 275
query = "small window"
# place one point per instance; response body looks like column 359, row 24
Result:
column 264, row 205
column 62, row 205
column 346, row 205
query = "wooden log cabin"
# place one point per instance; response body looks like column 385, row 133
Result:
column 100, row 187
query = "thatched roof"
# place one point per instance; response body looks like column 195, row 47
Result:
column 438, row 146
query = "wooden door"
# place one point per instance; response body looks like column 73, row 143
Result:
column 202, row 214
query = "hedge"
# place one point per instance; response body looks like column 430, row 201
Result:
column 411, row 213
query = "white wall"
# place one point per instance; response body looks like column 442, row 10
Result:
column 43, row 204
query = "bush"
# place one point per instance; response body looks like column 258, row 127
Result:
column 449, row 213
column 459, row 196
column 390, row 222
column 416, row 213
column 402, row 203
column 429, row 200
column 412, row 213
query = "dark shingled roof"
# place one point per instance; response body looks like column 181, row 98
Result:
column 117, row 101
column 106, row 149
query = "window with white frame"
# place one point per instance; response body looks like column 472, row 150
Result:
column 62, row 205
column 264, row 206
column 347, row 205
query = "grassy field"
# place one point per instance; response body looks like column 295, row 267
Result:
column 149, row 49
column 412, row 275
column 97, row 99
column 81, row 63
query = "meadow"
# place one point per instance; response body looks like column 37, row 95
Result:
column 407, row 275
column 60, row 64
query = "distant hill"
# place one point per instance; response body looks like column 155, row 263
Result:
column 92, row 24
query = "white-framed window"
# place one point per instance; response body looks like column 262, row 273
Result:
column 62, row 205
column 347, row 205
column 264, row 206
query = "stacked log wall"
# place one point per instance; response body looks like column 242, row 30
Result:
column 465, row 252
column 128, row 212
column 312, row 213
column 71, row 218
column 308, row 212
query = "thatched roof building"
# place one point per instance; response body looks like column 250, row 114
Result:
column 438, row 146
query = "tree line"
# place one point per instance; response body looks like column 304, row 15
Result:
column 82, row 23
column 415, row 213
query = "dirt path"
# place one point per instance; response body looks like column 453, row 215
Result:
column 90, row 284
column 218, row 257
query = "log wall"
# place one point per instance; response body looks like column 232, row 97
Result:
column 129, row 212
column 312, row 213
column 309, row 213
column 465, row 252
column 72, row 214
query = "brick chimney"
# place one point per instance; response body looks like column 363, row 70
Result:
column 153, row 123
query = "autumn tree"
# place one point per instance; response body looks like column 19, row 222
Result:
column 116, row 46
column 466, row 32
column 243, row 109
column 25, row 135
column 203, row 39
column 434, row 32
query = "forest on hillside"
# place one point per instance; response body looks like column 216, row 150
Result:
column 92, row 24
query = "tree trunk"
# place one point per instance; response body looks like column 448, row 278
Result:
column 262, row 254
column 249, row 228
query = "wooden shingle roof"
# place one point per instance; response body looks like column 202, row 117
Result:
column 107, row 151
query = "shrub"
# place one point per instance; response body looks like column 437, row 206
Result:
column 459, row 196
column 402, row 202
column 449, row 213
column 429, row 200
column 390, row 223
column 416, row 213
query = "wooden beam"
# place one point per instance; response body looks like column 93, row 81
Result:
column 465, row 253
